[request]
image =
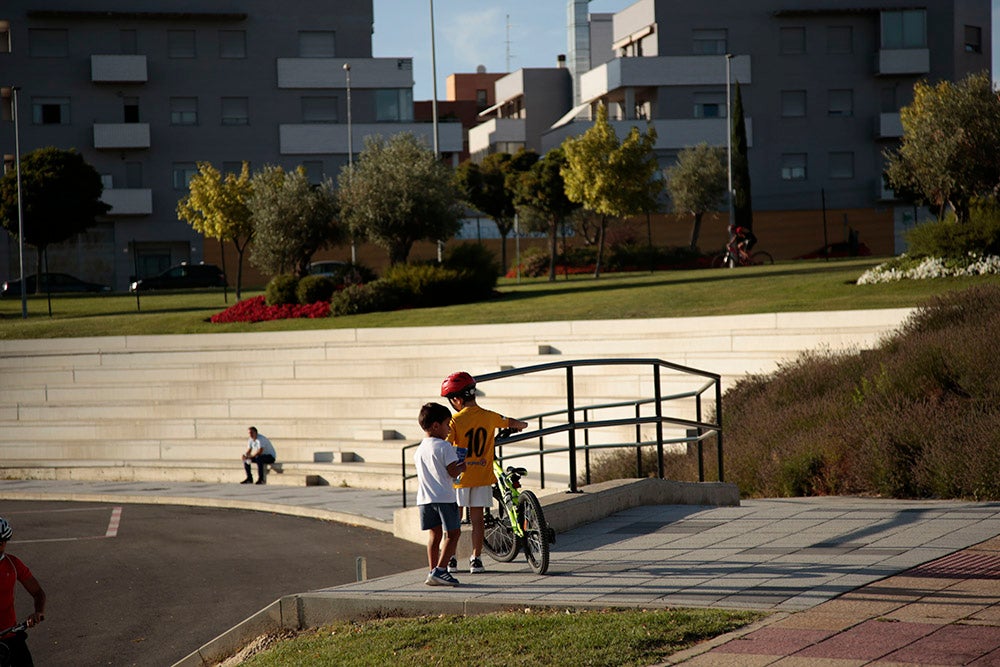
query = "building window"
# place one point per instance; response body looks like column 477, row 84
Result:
column 887, row 100
column 710, row 105
column 973, row 39
column 183, row 110
column 5, row 37
column 6, row 104
column 394, row 105
column 905, row 29
column 793, row 103
column 107, row 182
column 180, row 44
column 232, row 44
column 316, row 44
column 842, row 165
column 792, row 41
column 708, row 42
column 235, row 111
column 183, row 173
column 133, row 174
column 314, row 171
column 840, row 39
column 128, row 42
column 319, row 110
column 840, row 102
column 50, row 110
column 130, row 109
column 482, row 98
column 793, row 166
column 48, row 43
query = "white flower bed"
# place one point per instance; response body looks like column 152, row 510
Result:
column 931, row 267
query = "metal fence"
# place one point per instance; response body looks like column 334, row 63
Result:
column 681, row 411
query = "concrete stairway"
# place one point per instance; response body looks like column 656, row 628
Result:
column 340, row 404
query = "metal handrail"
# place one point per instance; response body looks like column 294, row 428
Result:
column 578, row 419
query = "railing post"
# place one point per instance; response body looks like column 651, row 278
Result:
column 718, row 422
column 571, row 414
column 701, row 456
column 403, row 455
column 638, row 442
column 541, row 457
column 659, row 421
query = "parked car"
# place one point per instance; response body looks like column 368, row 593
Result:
column 182, row 276
column 341, row 273
column 842, row 249
column 51, row 282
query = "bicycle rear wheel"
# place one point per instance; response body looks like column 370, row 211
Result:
column 499, row 540
column 536, row 532
column 761, row 257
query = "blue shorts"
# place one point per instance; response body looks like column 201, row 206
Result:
column 437, row 514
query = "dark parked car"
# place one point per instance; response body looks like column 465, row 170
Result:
column 838, row 250
column 182, row 276
column 51, row 282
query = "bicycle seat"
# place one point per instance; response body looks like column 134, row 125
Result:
column 517, row 471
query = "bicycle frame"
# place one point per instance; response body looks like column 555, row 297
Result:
column 507, row 491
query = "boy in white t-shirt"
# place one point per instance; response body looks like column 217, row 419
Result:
column 438, row 465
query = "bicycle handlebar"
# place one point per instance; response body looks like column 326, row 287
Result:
column 20, row 627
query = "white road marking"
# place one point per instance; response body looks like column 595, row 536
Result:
column 113, row 524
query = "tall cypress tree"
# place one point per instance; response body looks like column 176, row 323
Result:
column 742, row 207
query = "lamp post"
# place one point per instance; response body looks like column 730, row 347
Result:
column 434, row 111
column 350, row 152
column 729, row 134
column 20, row 209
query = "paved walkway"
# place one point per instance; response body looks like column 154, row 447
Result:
column 849, row 581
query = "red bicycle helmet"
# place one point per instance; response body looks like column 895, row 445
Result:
column 458, row 384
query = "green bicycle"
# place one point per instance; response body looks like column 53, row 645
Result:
column 519, row 522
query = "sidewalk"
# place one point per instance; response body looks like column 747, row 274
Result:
column 849, row 581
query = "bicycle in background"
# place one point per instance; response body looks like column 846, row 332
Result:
column 737, row 256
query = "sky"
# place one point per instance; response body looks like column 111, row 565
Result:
column 469, row 33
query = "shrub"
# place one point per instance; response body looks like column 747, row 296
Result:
column 950, row 239
column 378, row 295
column 281, row 290
column 534, row 263
column 427, row 285
column 478, row 268
column 312, row 289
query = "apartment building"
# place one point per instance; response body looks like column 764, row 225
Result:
column 822, row 83
column 145, row 89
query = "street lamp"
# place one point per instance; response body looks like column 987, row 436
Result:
column 434, row 110
column 350, row 152
column 729, row 134
column 20, row 209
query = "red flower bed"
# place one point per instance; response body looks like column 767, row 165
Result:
column 256, row 310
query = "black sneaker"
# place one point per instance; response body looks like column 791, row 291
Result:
column 441, row 578
column 476, row 566
column 247, row 481
column 453, row 565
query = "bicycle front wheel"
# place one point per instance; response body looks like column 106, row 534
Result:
column 725, row 260
column 499, row 540
column 761, row 257
column 536, row 532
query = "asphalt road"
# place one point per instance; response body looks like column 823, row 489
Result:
column 171, row 578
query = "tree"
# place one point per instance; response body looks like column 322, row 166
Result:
column 292, row 219
column 218, row 208
column 697, row 183
column 948, row 155
column 543, row 190
column 399, row 193
column 610, row 178
column 491, row 187
column 742, row 205
column 61, row 196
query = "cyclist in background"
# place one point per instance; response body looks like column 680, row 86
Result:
column 12, row 570
column 741, row 240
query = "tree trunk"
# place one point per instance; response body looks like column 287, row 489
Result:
column 600, row 246
column 553, row 242
column 503, row 253
column 696, row 230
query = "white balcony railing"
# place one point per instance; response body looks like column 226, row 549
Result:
column 118, row 69
column 671, row 133
column 890, row 62
column 326, row 73
column 128, row 201
column 662, row 71
column 496, row 131
column 121, row 135
column 316, row 138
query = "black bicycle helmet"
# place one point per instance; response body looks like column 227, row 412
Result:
column 5, row 531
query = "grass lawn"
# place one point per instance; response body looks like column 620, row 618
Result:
column 794, row 286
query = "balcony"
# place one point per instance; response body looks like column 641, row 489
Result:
column 118, row 69
column 128, row 201
column 496, row 131
column 327, row 73
column 121, row 135
column 316, row 138
column 662, row 71
column 891, row 62
column 889, row 126
column 671, row 133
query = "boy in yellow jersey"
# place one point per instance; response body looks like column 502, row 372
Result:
column 474, row 428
